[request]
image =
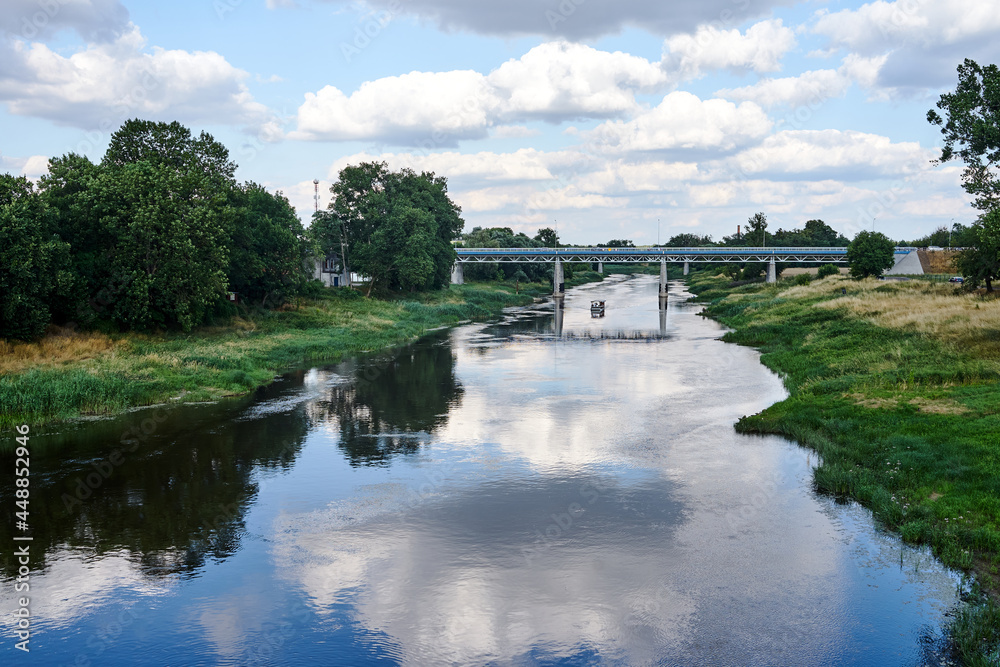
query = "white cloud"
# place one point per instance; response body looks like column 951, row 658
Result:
column 710, row 48
column 562, row 80
column 810, row 87
column 526, row 164
column 105, row 84
column 849, row 154
column 683, row 121
column 553, row 81
column 513, row 132
column 921, row 41
column 32, row 167
column 436, row 108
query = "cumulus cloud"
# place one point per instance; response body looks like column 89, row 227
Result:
column 553, row 81
column 921, row 42
column 102, row 85
column 842, row 154
column 683, row 121
column 441, row 107
column 32, row 167
column 93, row 20
column 807, row 88
column 526, row 164
column 760, row 49
column 575, row 19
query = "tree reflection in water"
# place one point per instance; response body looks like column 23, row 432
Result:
column 391, row 404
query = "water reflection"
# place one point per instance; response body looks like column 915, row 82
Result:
column 389, row 404
column 536, row 490
column 167, row 489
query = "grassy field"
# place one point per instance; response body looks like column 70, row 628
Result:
column 68, row 373
column 897, row 386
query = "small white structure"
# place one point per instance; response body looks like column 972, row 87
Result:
column 328, row 272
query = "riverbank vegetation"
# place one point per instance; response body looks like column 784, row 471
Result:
column 897, row 386
column 71, row 372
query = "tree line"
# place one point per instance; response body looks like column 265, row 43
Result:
column 156, row 234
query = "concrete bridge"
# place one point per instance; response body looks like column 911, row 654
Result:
column 655, row 254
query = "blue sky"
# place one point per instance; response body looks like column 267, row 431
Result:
column 600, row 117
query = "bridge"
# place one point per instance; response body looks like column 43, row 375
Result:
column 645, row 255
column 662, row 255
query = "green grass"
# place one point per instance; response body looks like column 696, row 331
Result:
column 905, row 421
column 245, row 353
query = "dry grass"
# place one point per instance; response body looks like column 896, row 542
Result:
column 939, row 406
column 966, row 320
column 59, row 347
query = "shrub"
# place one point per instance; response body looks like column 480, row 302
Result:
column 827, row 270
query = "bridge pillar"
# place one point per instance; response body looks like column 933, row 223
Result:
column 600, row 267
column 558, row 284
column 663, row 277
column 557, row 318
column 456, row 274
column 772, row 275
column 687, row 267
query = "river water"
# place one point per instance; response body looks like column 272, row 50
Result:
column 551, row 488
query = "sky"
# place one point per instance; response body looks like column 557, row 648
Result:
column 636, row 119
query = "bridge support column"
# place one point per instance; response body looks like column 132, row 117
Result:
column 600, row 267
column 687, row 267
column 558, row 285
column 663, row 277
column 456, row 274
column 772, row 274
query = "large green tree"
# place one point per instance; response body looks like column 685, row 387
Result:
column 971, row 129
column 870, row 254
column 148, row 226
column 398, row 226
column 267, row 246
column 34, row 262
column 980, row 263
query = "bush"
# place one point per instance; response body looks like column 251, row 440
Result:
column 827, row 270
column 803, row 279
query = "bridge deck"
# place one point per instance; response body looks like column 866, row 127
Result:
column 653, row 254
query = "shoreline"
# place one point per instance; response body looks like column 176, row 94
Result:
column 897, row 388
column 72, row 375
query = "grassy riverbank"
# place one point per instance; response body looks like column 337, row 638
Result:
column 68, row 374
column 897, row 386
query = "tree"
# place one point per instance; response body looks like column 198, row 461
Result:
column 980, row 264
column 617, row 243
column 870, row 254
column 757, row 229
column 972, row 130
column 34, row 263
column 168, row 256
column 398, row 226
column 170, row 144
column 688, row 240
column 267, row 246
column 547, row 237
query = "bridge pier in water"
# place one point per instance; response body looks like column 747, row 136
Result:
column 558, row 284
column 687, row 267
column 663, row 279
column 456, row 274
column 600, row 267
column 772, row 274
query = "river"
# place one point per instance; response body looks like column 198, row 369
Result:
column 544, row 489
